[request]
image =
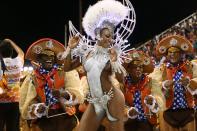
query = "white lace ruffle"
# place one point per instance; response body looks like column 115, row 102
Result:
column 69, row 102
column 152, row 106
column 34, row 109
column 134, row 116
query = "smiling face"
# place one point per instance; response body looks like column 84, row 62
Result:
column 47, row 59
column 106, row 37
column 174, row 55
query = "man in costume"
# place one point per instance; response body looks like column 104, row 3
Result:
column 10, row 74
column 49, row 94
column 140, row 99
column 178, row 78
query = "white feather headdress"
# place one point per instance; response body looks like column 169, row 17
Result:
column 103, row 14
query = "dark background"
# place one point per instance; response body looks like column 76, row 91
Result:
column 27, row 21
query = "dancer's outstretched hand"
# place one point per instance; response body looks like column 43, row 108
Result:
column 73, row 42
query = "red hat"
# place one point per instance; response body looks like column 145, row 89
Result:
column 136, row 55
column 41, row 45
column 173, row 41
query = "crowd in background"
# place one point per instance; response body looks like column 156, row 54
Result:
column 187, row 28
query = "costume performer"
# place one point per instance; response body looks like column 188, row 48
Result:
column 143, row 106
column 100, row 60
column 179, row 82
column 10, row 74
column 49, row 94
column 140, row 92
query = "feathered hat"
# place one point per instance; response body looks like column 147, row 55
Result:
column 44, row 46
column 103, row 14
